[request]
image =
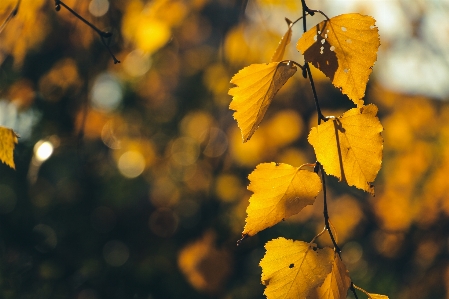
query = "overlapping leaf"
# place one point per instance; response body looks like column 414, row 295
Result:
column 8, row 140
column 257, row 84
column 350, row 146
column 291, row 269
column 280, row 50
column 344, row 48
column 336, row 284
column 280, row 191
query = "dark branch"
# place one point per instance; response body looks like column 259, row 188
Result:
column 102, row 34
column 353, row 290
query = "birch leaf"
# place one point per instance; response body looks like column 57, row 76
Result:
column 280, row 191
column 344, row 48
column 285, row 41
column 8, row 140
column 336, row 284
column 257, row 84
column 350, row 146
column 291, row 269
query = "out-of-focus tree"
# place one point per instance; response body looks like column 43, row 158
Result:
column 130, row 178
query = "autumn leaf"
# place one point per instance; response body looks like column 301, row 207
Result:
column 8, row 140
column 291, row 269
column 350, row 146
column 257, row 84
column 344, row 48
column 377, row 296
column 280, row 50
column 280, row 191
column 336, row 284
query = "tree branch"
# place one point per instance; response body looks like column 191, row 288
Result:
column 103, row 34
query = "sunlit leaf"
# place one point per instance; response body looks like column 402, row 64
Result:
column 280, row 50
column 280, row 191
column 291, row 269
column 350, row 146
column 336, row 284
column 8, row 140
column 344, row 48
column 257, row 84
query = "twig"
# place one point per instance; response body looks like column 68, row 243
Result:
column 102, row 34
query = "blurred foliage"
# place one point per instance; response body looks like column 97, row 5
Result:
column 131, row 179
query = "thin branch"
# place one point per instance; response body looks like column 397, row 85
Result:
column 101, row 33
column 325, row 211
column 11, row 15
column 315, row 97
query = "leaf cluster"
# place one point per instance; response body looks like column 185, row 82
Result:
column 348, row 147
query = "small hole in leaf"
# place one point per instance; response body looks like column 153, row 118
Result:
column 319, row 32
column 315, row 37
column 291, row 266
column 332, row 48
column 325, row 36
column 321, row 50
column 323, row 41
column 346, row 71
column 349, row 41
column 372, row 27
column 343, row 29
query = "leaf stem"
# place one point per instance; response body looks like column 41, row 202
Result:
column 101, row 33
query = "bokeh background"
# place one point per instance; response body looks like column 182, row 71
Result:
column 131, row 178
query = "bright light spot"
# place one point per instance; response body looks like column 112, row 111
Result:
column 315, row 38
column 43, row 150
column 343, row 29
column 131, row 164
column 115, row 253
column 321, row 50
column 349, row 41
column 323, row 41
column 137, row 63
column 332, row 48
column 106, row 93
column 346, row 71
column 98, row 7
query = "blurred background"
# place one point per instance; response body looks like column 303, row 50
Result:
column 131, row 178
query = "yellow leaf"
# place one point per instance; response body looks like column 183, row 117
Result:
column 344, row 48
column 335, row 285
column 350, row 146
column 377, row 296
column 8, row 140
column 280, row 191
column 257, row 84
column 280, row 50
column 291, row 269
